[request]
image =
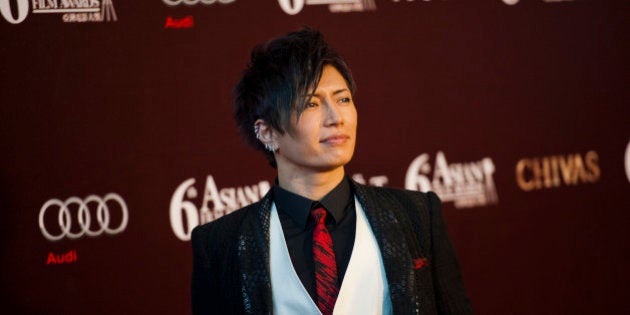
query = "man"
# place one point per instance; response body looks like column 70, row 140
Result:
column 318, row 242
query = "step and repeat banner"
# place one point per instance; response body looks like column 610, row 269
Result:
column 117, row 139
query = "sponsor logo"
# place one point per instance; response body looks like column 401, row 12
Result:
column 185, row 216
column 628, row 161
column 467, row 184
column 293, row 7
column 94, row 216
column 173, row 3
column 557, row 170
column 71, row 10
column 68, row 257
column 513, row 2
column 185, row 22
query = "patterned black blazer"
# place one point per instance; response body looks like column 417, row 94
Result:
column 231, row 256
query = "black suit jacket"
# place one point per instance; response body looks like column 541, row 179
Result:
column 231, row 256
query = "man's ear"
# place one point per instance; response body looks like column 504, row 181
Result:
column 266, row 134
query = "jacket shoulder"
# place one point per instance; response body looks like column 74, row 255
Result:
column 225, row 227
column 409, row 199
column 229, row 220
column 215, row 276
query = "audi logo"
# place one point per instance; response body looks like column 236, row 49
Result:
column 84, row 216
column 193, row 2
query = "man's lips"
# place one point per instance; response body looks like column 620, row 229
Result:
column 335, row 139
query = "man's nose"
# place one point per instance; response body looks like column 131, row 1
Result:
column 333, row 113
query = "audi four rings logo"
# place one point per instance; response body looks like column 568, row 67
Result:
column 193, row 2
column 84, row 216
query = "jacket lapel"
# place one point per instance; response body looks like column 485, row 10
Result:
column 253, row 259
column 383, row 215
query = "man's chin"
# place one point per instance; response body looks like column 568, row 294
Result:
column 333, row 165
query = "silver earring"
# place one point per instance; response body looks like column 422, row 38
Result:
column 257, row 131
column 271, row 147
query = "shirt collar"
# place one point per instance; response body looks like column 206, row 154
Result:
column 299, row 207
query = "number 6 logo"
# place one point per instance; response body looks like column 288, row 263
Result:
column 291, row 9
column 22, row 11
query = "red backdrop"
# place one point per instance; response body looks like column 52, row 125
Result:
column 117, row 139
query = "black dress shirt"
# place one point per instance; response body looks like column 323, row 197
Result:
column 297, row 226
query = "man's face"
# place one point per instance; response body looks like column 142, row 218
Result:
column 323, row 138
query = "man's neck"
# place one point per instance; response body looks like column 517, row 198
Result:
column 310, row 185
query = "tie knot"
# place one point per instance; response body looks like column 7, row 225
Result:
column 319, row 215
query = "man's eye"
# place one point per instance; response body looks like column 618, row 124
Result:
column 345, row 100
column 311, row 104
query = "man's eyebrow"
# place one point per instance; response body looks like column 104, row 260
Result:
column 334, row 93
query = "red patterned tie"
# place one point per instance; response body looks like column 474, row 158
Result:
column 325, row 264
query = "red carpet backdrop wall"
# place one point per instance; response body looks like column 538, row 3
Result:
column 117, row 139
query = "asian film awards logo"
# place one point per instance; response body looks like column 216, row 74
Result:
column 468, row 184
column 71, row 10
column 185, row 215
column 293, row 7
